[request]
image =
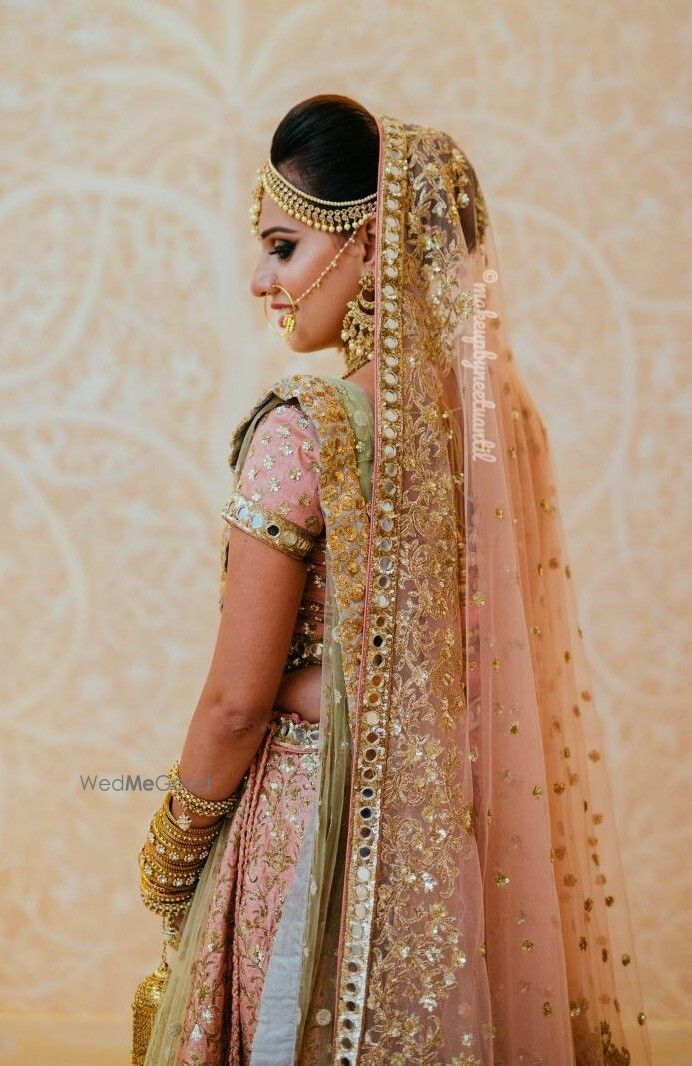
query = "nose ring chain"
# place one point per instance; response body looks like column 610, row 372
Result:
column 290, row 317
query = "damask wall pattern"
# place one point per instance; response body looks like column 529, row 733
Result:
column 131, row 346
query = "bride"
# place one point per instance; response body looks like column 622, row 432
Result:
column 389, row 836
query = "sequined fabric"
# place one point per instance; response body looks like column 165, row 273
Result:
column 276, row 499
column 280, row 472
column 485, row 919
column 306, row 642
column 255, row 873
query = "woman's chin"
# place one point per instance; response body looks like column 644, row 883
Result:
column 303, row 345
column 297, row 344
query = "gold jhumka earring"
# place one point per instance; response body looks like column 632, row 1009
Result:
column 332, row 216
column 358, row 328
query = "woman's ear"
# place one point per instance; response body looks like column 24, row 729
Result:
column 369, row 243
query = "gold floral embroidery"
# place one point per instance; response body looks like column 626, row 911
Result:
column 592, row 1048
column 342, row 503
column 432, row 837
column 343, row 506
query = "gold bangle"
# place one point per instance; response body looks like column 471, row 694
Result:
column 168, row 852
column 171, row 859
column 165, row 907
column 166, row 893
column 197, row 804
column 167, row 885
column 195, row 834
column 166, row 878
column 166, row 821
column 175, row 854
column 163, row 862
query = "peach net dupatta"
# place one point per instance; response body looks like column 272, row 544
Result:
column 483, row 915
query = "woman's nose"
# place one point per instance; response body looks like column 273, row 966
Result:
column 261, row 282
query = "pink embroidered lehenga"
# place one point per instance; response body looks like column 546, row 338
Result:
column 431, row 874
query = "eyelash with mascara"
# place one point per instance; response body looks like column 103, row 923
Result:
column 283, row 249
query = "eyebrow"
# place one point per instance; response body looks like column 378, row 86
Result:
column 274, row 229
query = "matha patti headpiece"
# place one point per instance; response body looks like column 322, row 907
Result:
column 334, row 216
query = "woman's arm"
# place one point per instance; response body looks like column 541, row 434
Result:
column 262, row 596
column 263, row 588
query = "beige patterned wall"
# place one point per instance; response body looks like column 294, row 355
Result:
column 130, row 347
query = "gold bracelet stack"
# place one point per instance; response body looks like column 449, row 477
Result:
column 171, row 860
column 175, row 851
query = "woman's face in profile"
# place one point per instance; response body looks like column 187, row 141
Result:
column 293, row 254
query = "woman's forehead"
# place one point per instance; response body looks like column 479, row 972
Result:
column 272, row 215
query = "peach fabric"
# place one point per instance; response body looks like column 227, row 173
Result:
column 280, row 470
column 256, row 871
column 280, row 474
column 495, row 924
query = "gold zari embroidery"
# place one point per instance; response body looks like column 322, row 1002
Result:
column 341, row 499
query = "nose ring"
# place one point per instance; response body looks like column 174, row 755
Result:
column 289, row 317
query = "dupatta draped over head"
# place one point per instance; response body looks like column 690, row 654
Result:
column 459, row 897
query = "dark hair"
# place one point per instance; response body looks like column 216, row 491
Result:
column 328, row 146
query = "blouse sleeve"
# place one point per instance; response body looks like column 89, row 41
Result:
column 276, row 497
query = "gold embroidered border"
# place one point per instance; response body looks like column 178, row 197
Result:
column 372, row 725
column 268, row 526
column 344, row 509
column 341, row 499
column 240, row 428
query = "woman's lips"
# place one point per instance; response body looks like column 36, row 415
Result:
column 285, row 309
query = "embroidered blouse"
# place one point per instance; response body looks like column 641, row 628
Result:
column 276, row 499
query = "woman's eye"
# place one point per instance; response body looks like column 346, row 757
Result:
column 283, row 249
